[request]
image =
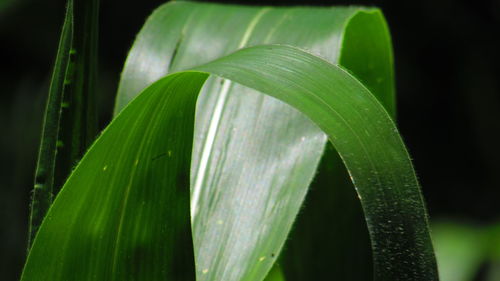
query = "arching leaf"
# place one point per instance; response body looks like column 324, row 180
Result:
column 124, row 212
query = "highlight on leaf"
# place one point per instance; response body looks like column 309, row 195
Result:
column 221, row 123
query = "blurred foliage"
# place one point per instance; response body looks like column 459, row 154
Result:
column 466, row 250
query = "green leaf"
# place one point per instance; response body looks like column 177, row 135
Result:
column 281, row 157
column 342, row 249
column 367, row 141
column 124, row 212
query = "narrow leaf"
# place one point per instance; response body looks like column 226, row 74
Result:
column 44, row 175
column 342, row 249
column 70, row 123
column 78, row 127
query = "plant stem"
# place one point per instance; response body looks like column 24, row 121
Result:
column 70, row 122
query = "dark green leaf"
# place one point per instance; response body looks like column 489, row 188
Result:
column 44, row 176
column 78, row 125
column 70, row 123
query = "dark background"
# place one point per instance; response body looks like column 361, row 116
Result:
column 448, row 82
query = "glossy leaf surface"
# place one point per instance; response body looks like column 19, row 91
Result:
column 102, row 223
column 235, row 177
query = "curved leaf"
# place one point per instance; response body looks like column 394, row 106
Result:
column 120, row 217
column 124, row 212
column 280, row 159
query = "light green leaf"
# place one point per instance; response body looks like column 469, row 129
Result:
column 124, row 212
column 463, row 248
column 460, row 250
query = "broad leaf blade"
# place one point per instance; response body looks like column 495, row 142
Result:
column 365, row 137
column 124, row 212
column 277, row 164
column 97, row 220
